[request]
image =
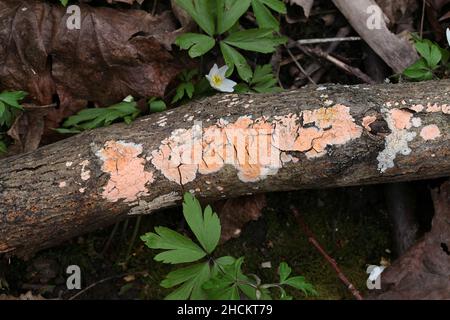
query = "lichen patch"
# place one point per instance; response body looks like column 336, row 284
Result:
column 397, row 141
column 128, row 179
column 85, row 174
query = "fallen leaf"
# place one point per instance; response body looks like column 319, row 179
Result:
column 236, row 213
column 116, row 53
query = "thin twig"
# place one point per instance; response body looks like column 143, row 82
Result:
column 331, row 261
column 133, row 237
column 105, row 280
column 155, row 4
column 326, row 40
column 111, row 237
column 422, row 20
column 342, row 65
column 299, row 66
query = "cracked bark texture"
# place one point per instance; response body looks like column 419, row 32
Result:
column 64, row 190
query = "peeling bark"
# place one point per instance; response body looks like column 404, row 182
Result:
column 320, row 137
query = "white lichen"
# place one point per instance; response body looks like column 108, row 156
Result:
column 395, row 143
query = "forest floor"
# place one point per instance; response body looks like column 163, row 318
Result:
column 351, row 224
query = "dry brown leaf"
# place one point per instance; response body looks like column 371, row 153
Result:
column 399, row 12
column 116, row 53
column 305, row 4
column 236, row 213
column 423, row 271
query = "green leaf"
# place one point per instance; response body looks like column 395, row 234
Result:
column 192, row 278
column 229, row 12
column 419, row 71
column 64, row 2
column 284, row 271
column 3, row 147
column 12, row 98
column 206, row 227
column 275, row 5
column 225, row 284
column 2, row 109
column 157, row 105
column 180, row 248
column 202, row 11
column 92, row 118
column 197, row 44
column 233, row 58
column 430, row 51
column 264, row 17
column 257, row 40
column 263, row 80
column 300, row 284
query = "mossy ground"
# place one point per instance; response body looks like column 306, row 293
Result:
column 351, row 225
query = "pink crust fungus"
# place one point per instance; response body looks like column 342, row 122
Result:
column 256, row 148
column 430, row 132
column 401, row 118
column 127, row 175
column 367, row 121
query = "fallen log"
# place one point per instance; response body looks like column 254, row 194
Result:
column 221, row 147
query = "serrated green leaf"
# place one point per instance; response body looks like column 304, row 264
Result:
column 225, row 284
column 264, row 17
column 257, row 40
column 233, row 59
column 284, row 271
column 229, row 12
column 180, row 248
column 192, row 278
column 300, row 284
column 202, row 11
column 197, row 44
column 206, row 227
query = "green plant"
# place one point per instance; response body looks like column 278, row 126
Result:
column 219, row 19
column 262, row 81
column 9, row 108
column 210, row 277
column 433, row 59
column 187, row 86
column 91, row 118
column 156, row 105
column 64, row 2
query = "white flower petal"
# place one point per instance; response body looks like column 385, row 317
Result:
column 223, row 70
column 227, row 85
column 448, row 36
column 214, row 70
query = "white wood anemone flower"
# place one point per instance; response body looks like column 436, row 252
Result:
column 218, row 81
column 448, row 36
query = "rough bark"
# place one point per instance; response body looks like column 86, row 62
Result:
column 321, row 136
